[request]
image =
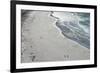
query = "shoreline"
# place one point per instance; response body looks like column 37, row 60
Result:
column 47, row 43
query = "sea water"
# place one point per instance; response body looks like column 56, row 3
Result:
column 75, row 26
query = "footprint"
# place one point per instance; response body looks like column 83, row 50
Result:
column 66, row 56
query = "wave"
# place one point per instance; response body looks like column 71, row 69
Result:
column 75, row 26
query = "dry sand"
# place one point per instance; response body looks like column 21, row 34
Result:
column 42, row 41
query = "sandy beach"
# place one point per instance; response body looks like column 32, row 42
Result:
column 43, row 41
